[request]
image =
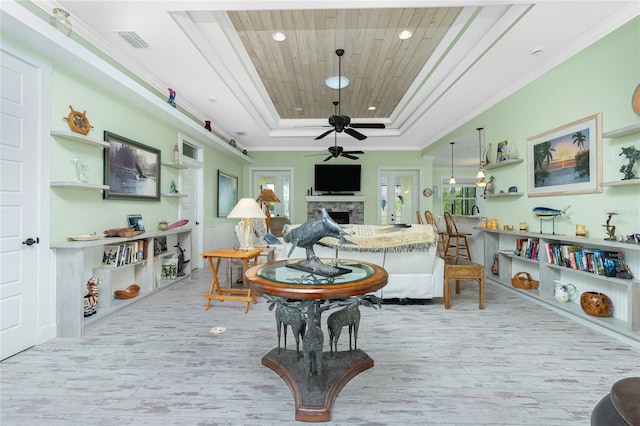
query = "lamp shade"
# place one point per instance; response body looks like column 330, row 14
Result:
column 267, row 196
column 246, row 207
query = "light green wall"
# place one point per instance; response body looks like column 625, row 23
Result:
column 600, row 79
column 371, row 161
column 74, row 211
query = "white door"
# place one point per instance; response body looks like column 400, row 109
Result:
column 398, row 195
column 19, row 106
column 191, row 182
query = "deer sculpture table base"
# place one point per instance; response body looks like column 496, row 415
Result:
column 317, row 377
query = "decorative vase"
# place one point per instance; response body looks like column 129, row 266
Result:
column 60, row 21
column 163, row 225
column 207, row 125
column 596, row 304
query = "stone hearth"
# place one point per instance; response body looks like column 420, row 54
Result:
column 351, row 204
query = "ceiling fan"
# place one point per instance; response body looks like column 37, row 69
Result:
column 336, row 151
column 342, row 123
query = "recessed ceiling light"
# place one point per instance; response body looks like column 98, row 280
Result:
column 371, row 108
column 336, row 82
column 278, row 36
column 405, row 35
column 298, row 108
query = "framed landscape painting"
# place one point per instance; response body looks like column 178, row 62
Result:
column 131, row 169
column 227, row 193
column 566, row 160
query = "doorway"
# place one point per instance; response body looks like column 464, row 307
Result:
column 279, row 181
column 398, row 195
column 191, row 183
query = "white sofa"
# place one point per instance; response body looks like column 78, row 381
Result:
column 407, row 254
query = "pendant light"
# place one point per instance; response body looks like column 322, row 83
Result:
column 452, row 181
column 480, row 177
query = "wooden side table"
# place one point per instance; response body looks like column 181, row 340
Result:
column 462, row 269
column 238, row 294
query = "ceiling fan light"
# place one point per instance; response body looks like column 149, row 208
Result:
column 337, row 82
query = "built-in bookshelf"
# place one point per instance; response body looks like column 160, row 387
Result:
column 592, row 267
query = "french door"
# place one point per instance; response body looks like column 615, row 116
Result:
column 398, row 195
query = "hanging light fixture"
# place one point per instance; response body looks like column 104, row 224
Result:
column 452, row 181
column 480, row 177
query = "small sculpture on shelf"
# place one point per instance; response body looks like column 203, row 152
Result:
column 174, row 188
column 81, row 169
column 91, row 299
column 633, row 155
column 490, row 187
column 207, row 125
column 181, row 261
column 611, row 229
column 172, row 97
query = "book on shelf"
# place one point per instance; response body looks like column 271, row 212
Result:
column 595, row 261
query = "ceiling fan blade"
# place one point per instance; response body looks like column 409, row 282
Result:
column 328, row 158
column 353, row 152
column 351, row 157
column 367, row 125
column 355, row 134
column 324, row 134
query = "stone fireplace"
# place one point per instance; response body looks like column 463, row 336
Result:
column 343, row 209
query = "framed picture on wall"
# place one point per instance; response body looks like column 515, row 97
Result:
column 566, row 160
column 227, row 193
column 131, row 169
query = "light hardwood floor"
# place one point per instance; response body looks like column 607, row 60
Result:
column 157, row 363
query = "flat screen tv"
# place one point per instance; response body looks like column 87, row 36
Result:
column 337, row 178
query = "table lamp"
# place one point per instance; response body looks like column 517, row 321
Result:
column 267, row 196
column 246, row 209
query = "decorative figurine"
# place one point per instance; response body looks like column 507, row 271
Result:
column 546, row 213
column 611, row 230
column 174, row 188
column 78, row 121
column 308, row 234
column 176, row 154
column 81, row 169
column 91, row 299
column 633, row 155
column 490, row 187
column 207, row 125
column 172, row 97
column 181, row 262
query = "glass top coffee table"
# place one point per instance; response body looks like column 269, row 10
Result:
column 304, row 295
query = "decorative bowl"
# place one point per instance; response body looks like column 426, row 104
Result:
column 127, row 293
column 596, row 304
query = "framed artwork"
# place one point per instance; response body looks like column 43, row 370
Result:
column 566, row 160
column 501, row 153
column 110, row 256
column 131, row 169
column 135, row 222
column 227, row 193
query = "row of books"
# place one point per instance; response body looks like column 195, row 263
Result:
column 599, row 262
column 527, row 248
column 124, row 254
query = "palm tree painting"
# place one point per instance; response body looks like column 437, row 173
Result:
column 561, row 160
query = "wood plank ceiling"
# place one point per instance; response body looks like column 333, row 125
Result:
column 380, row 66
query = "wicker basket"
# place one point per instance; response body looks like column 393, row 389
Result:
column 524, row 281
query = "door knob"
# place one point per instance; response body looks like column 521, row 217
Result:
column 31, row 241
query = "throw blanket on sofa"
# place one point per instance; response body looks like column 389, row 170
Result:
column 386, row 238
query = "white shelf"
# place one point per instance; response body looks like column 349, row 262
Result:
column 166, row 194
column 174, row 165
column 503, row 163
column 77, row 137
column 627, row 182
column 78, row 185
column 506, row 194
column 623, row 131
column 624, row 293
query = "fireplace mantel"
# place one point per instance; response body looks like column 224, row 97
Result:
column 336, row 198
